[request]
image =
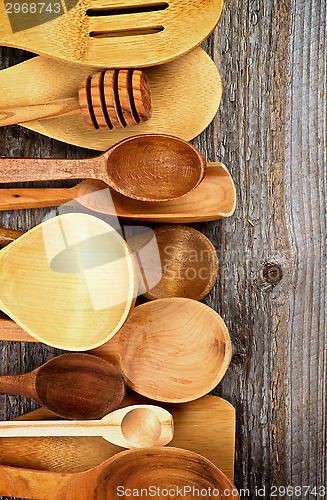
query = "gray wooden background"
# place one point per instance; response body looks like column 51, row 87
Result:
column 270, row 132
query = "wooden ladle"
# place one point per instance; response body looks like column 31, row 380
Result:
column 161, row 468
column 69, row 282
column 173, row 350
column 214, row 198
column 107, row 100
column 74, row 386
column 150, row 167
column 130, row 427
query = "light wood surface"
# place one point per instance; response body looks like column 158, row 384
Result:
column 205, row 426
column 129, row 95
column 147, row 167
column 72, row 36
column 129, row 427
column 189, row 264
column 174, row 468
column 214, row 198
column 185, row 93
column 161, row 344
column 56, row 281
column 74, row 386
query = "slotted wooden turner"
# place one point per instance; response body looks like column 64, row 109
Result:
column 102, row 33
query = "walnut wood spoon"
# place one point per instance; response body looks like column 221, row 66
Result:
column 150, row 167
column 74, row 386
column 107, row 100
column 172, row 350
column 130, row 427
column 214, row 198
column 69, row 282
column 162, row 468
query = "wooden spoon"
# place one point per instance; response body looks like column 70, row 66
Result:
column 104, row 35
column 189, row 264
column 106, row 100
column 73, row 386
column 70, row 282
column 184, row 114
column 214, row 198
column 161, row 468
column 150, row 167
column 172, row 350
column 130, row 427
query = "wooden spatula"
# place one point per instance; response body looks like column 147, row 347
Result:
column 185, row 96
column 102, row 34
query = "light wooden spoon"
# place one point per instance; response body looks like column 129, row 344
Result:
column 175, row 111
column 70, row 282
column 74, row 386
column 100, row 34
column 214, row 198
column 161, row 468
column 149, row 167
column 130, row 427
column 172, row 350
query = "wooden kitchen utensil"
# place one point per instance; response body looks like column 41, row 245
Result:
column 172, row 350
column 130, row 427
column 106, row 100
column 99, row 34
column 176, row 111
column 150, row 167
column 74, row 386
column 70, row 282
column 161, row 468
column 205, row 426
column 214, row 198
column 189, row 264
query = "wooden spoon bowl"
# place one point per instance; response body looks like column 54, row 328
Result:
column 74, row 386
column 69, row 282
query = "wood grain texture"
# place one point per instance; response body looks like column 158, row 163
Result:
column 271, row 134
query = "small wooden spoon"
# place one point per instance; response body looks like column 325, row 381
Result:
column 161, row 468
column 130, row 427
column 108, row 100
column 214, row 198
column 189, row 264
column 151, row 167
column 70, row 282
column 73, row 386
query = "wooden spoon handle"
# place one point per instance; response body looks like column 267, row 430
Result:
column 13, row 199
column 21, row 384
column 8, row 235
column 24, row 483
column 44, row 169
column 61, row 107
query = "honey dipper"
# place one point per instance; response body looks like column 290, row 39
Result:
column 107, row 100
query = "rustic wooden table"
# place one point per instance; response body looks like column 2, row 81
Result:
column 270, row 132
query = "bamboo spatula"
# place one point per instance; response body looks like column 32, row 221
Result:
column 103, row 34
column 185, row 96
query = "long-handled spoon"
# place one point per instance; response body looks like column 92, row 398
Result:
column 130, row 427
column 172, row 350
column 74, row 386
column 214, row 198
column 70, row 282
column 100, row 34
column 151, row 167
column 154, row 470
column 107, row 100
column 175, row 111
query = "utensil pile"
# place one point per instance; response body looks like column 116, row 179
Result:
column 72, row 281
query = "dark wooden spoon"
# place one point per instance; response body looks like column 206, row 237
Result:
column 74, row 386
column 150, row 167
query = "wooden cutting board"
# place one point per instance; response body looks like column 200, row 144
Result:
column 205, row 426
column 186, row 94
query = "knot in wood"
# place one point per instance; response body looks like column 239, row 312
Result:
column 272, row 273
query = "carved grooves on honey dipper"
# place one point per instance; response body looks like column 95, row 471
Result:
column 115, row 99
